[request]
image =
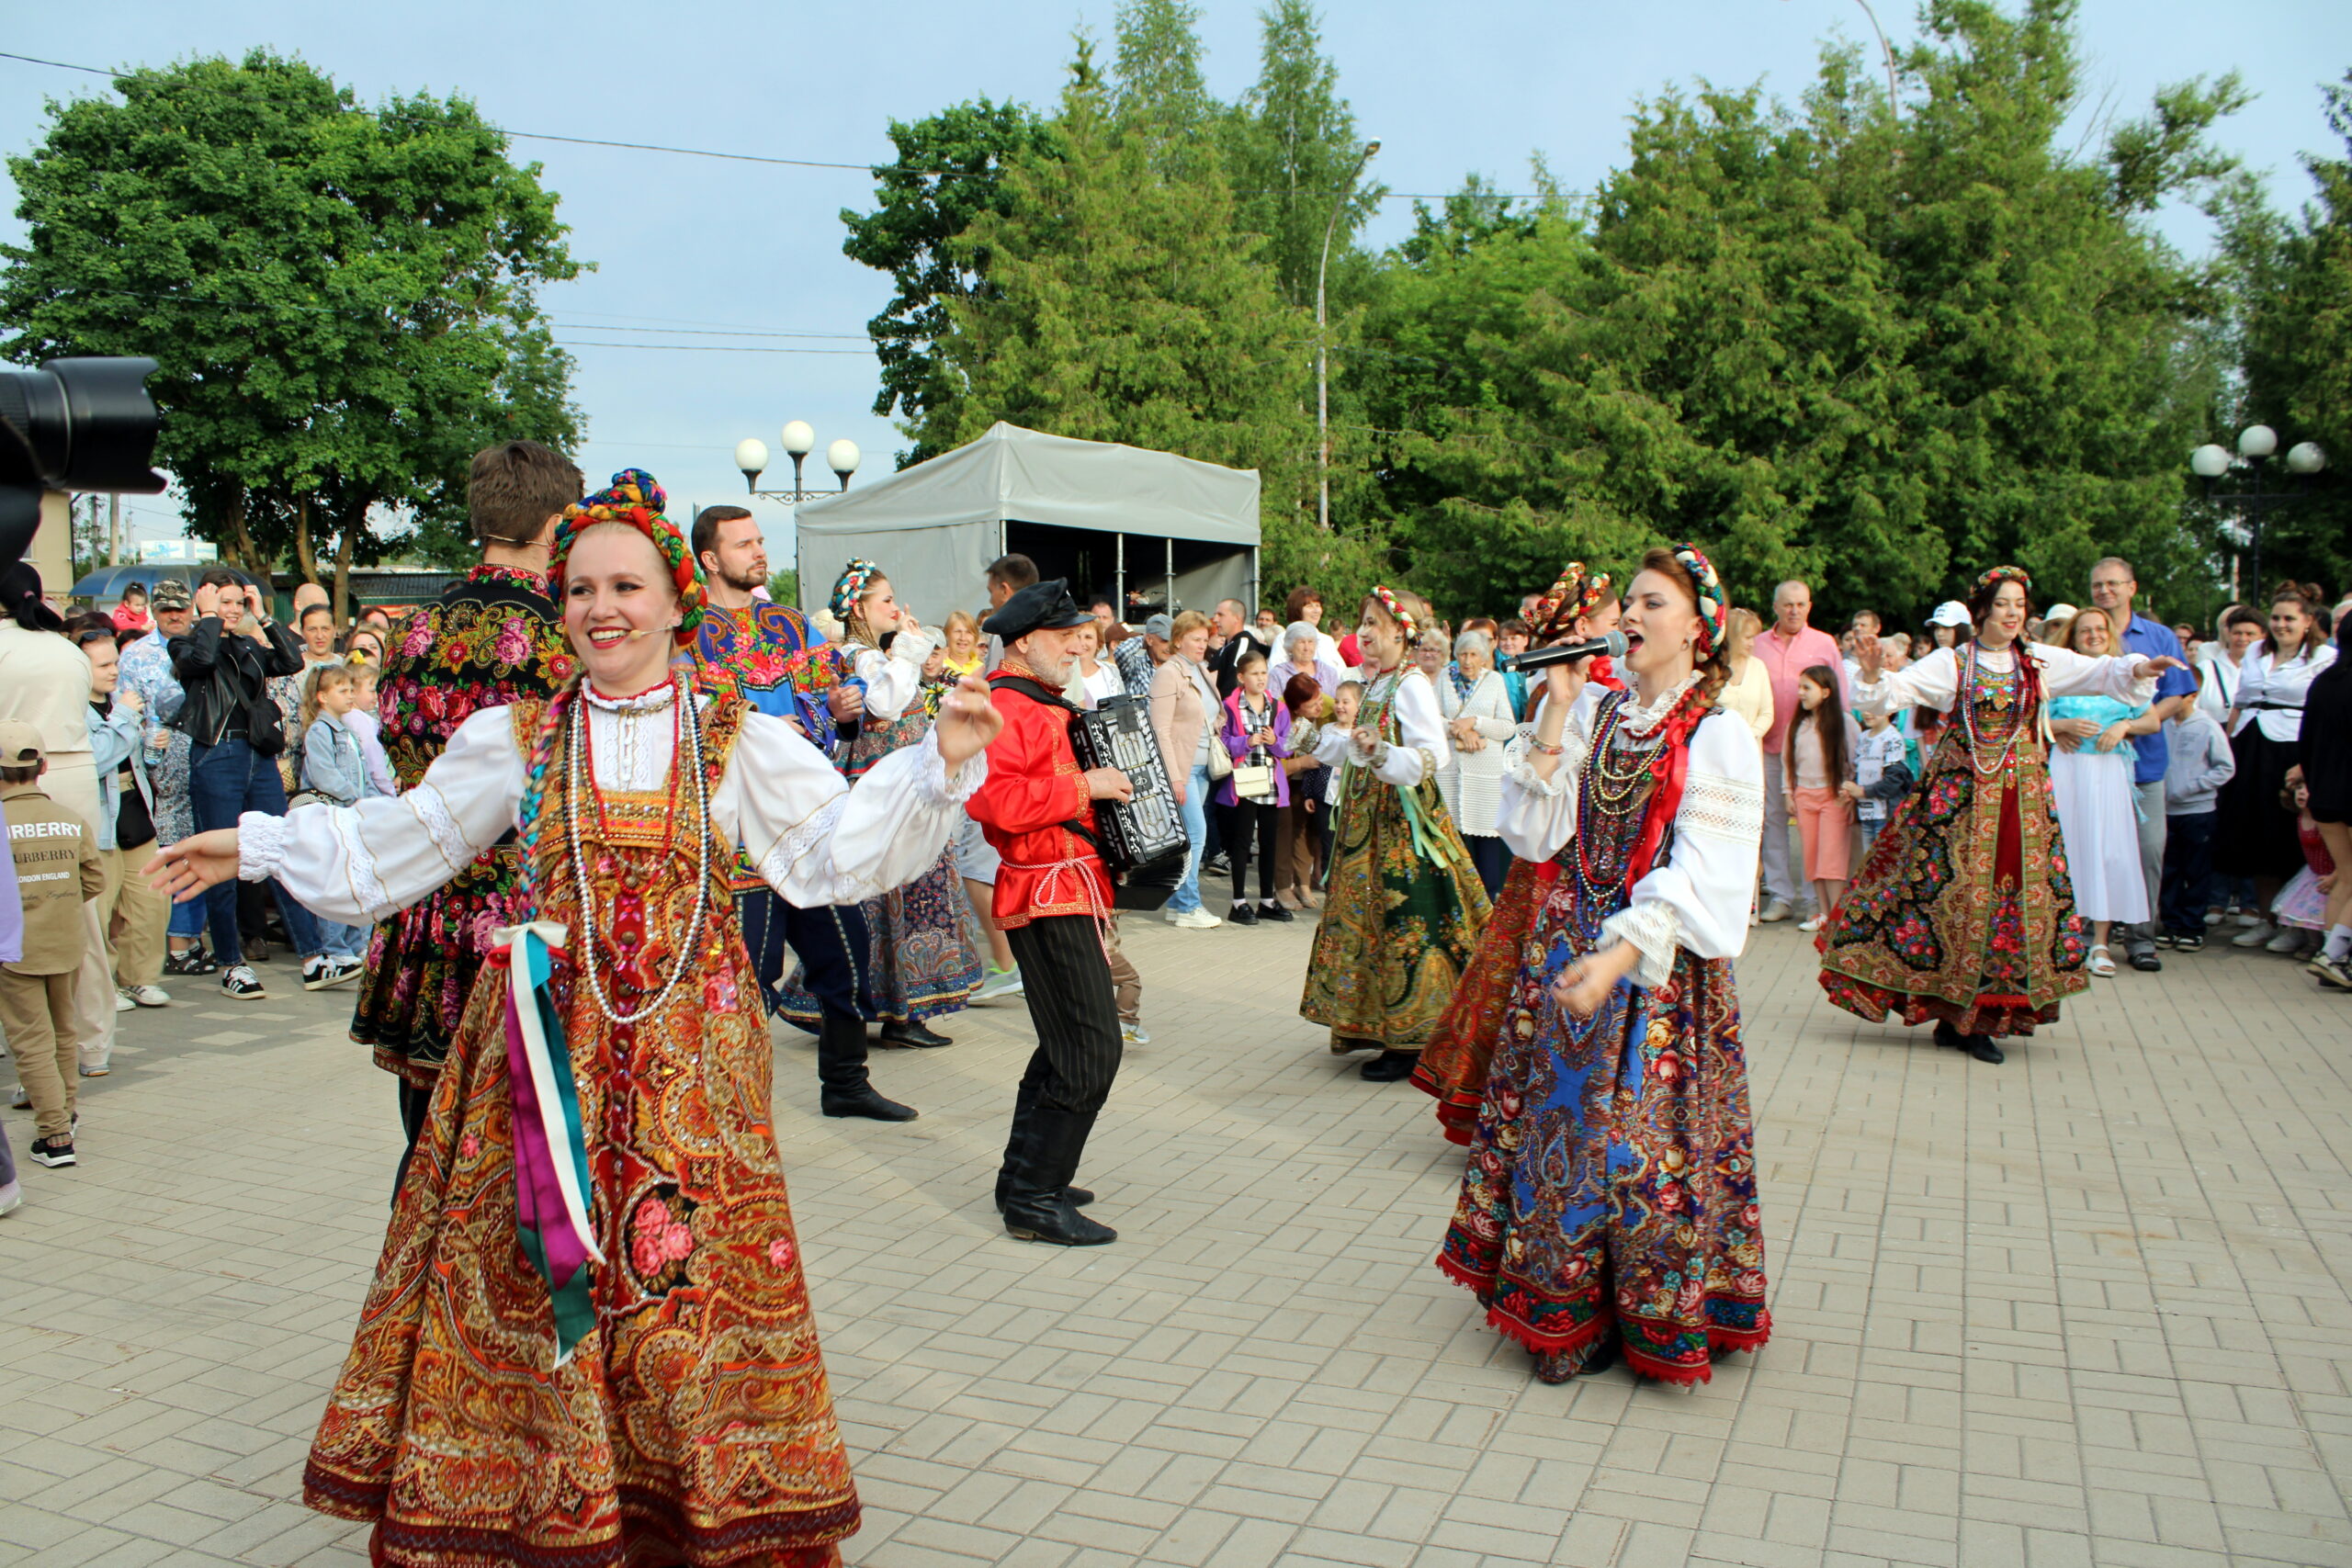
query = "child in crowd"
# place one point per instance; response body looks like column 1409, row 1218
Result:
column 130, row 615
column 58, row 869
column 1819, row 759
column 367, row 725
column 1882, row 775
column 2301, row 908
column 1346, row 703
column 2199, row 764
column 335, row 773
column 1256, row 733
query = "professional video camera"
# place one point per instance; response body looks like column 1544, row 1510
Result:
column 71, row 424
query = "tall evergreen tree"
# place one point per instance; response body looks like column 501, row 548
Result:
column 1291, row 145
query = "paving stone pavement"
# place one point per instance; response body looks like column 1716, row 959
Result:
column 2088, row 1307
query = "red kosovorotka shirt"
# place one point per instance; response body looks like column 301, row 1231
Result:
column 1033, row 788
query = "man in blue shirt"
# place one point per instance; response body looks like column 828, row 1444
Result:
column 2113, row 585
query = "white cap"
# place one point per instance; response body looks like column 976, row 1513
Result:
column 1951, row 612
column 2058, row 613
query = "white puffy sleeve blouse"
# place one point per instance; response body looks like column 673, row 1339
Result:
column 1697, row 895
column 814, row 839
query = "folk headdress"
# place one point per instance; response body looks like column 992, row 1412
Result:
column 635, row 501
column 850, row 587
column 1577, row 593
column 1397, row 612
column 2016, row 574
column 1714, row 611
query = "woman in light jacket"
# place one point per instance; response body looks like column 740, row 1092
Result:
column 1183, row 697
column 1475, row 701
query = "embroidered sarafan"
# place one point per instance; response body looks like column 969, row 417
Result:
column 693, row 1422
column 493, row 638
column 1609, row 1203
column 1404, row 907
column 1964, row 912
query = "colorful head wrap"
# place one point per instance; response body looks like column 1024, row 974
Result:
column 850, row 587
column 1396, row 608
column 634, row 499
column 2016, row 574
column 1576, row 593
column 1714, row 612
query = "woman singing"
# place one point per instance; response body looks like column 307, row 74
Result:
column 589, row 1339
column 1964, row 912
column 1609, row 1200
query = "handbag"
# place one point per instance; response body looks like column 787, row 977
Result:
column 1253, row 781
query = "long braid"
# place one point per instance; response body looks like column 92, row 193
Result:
column 529, row 815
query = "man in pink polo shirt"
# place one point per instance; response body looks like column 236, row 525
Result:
column 1789, row 647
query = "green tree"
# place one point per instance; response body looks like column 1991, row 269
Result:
column 950, row 169
column 342, row 301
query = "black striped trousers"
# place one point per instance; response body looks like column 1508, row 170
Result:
column 1066, row 982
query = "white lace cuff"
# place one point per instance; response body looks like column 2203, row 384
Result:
column 261, row 846
column 1518, row 762
column 1651, row 928
column 361, row 874
column 448, row 840
column 932, row 778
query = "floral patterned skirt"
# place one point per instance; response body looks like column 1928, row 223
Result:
column 919, row 962
column 693, row 1423
column 1453, row 1068
column 1398, row 928
column 422, row 964
column 1943, row 922
column 1609, row 1199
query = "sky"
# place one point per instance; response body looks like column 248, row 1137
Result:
column 699, row 250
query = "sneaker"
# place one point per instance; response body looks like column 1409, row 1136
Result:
column 2253, row 935
column 51, row 1151
column 93, row 1069
column 1773, row 912
column 122, row 1003
column 12, row 1198
column 2289, row 940
column 2215, row 916
column 238, row 984
column 1243, row 915
column 148, row 996
column 2193, row 942
column 1274, row 912
column 22, row 1100
column 2249, row 917
column 1134, row 1034
column 323, row 973
column 1813, row 924
column 1195, row 919
column 999, row 983
column 2333, row 974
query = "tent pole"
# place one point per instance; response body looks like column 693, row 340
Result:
column 1119, row 578
column 1170, row 593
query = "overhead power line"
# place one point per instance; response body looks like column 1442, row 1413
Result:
column 795, row 163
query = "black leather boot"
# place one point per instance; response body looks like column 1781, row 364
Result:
column 843, row 1089
column 1035, row 1208
column 1024, row 1100
column 906, row 1032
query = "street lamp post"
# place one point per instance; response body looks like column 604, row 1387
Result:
column 2257, row 443
column 1322, row 360
column 799, row 440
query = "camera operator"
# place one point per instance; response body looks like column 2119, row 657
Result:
column 236, row 733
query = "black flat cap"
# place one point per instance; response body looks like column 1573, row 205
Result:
column 1041, row 606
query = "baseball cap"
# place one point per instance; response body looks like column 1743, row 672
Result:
column 1951, row 612
column 171, row 594
column 1159, row 626
column 19, row 744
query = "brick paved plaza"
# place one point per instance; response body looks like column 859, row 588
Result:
column 2089, row 1307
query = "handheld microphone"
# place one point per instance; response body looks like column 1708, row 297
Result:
column 1540, row 658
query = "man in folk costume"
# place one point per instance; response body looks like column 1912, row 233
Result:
column 493, row 638
column 770, row 656
column 1053, row 900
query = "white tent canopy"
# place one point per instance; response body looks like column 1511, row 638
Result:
column 1143, row 527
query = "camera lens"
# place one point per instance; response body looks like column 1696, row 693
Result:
column 85, row 423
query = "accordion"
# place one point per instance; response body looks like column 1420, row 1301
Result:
column 1146, row 831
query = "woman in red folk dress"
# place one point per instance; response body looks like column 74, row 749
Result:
column 1453, row 1068
column 1964, row 911
column 589, row 1344
column 1609, row 1204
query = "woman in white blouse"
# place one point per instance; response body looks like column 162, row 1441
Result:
column 624, row 1140
column 1475, row 701
column 1609, row 1205
column 2253, row 835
